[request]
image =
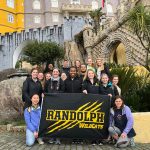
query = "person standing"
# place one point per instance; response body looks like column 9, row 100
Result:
column 55, row 83
column 101, row 68
column 78, row 66
column 41, row 78
column 73, row 83
column 91, row 85
column 47, row 76
column 90, row 64
column 106, row 88
column 82, row 71
column 63, row 76
column 31, row 86
column 121, row 124
column 115, row 80
column 65, row 67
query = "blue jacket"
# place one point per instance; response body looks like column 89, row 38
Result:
column 128, row 122
column 32, row 118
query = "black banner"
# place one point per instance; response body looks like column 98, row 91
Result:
column 71, row 115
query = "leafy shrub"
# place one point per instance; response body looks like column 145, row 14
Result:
column 135, row 88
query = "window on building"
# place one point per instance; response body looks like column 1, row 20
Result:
column 75, row 1
column 54, row 3
column 109, row 9
column 55, row 17
column 37, row 19
column 10, row 3
column 94, row 5
column 10, row 18
column 36, row 4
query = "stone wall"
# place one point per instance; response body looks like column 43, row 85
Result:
column 11, row 44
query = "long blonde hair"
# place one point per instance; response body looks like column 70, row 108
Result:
column 86, row 74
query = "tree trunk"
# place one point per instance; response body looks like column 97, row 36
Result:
column 147, row 61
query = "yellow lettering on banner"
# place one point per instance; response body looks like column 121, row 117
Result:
column 71, row 115
column 90, row 126
column 50, row 114
column 86, row 116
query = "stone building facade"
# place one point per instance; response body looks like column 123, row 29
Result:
column 41, row 13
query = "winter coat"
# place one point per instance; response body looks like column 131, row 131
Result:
column 32, row 118
column 30, row 87
column 106, row 90
column 73, row 85
column 124, row 122
column 54, row 86
column 91, row 88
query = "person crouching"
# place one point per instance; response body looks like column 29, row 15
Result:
column 121, row 124
column 32, row 116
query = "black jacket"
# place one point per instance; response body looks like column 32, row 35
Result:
column 91, row 88
column 73, row 85
column 106, row 90
column 65, row 70
column 52, row 86
column 30, row 88
column 109, row 90
column 106, row 70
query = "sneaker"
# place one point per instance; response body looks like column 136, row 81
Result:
column 79, row 141
column 40, row 141
column 132, row 143
column 93, row 143
column 100, row 143
column 57, row 141
column 74, row 141
column 51, row 141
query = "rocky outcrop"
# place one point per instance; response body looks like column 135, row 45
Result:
column 11, row 105
column 72, row 52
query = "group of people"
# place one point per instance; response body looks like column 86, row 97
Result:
column 80, row 78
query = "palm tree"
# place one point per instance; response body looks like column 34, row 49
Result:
column 96, row 16
column 139, row 23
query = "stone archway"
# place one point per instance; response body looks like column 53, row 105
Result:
column 116, row 48
column 18, row 52
column 118, row 53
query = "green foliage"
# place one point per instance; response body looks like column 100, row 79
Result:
column 127, row 78
column 17, row 65
column 139, row 23
column 139, row 19
column 144, row 95
column 96, row 15
column 134, row 87
column 41, row 52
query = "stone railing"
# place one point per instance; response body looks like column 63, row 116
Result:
column 76, row 8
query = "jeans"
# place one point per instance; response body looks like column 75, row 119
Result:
column 114, row 130
column 30, row 139
column 121, row 142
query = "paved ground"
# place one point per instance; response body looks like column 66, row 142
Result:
column 12, row 141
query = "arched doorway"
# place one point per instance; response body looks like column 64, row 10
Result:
column 118, row 53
